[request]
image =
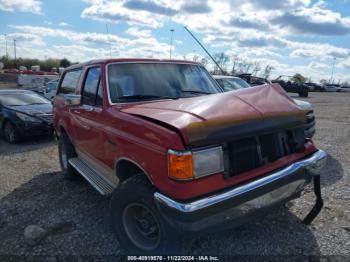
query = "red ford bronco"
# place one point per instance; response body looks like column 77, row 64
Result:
column 176, row 153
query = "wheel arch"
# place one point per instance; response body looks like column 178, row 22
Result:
column 62, row 130
column 126, row 168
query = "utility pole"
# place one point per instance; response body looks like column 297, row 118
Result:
column 109, row 42
column 331, row 80
column 171, row 41
column 14, row 48
column 7, row 53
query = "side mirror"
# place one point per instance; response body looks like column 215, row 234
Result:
column 72, row 100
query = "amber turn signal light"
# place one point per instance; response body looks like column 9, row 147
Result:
column 180, row 165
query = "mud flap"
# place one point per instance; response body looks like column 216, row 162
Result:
column 319, row 202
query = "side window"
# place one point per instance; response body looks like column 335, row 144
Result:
column 70, row 82
column 92, row 92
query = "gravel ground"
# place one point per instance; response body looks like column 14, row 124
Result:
column 32, row 191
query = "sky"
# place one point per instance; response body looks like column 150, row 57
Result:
column 292, row 36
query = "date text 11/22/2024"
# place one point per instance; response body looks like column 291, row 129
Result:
column 173, row 258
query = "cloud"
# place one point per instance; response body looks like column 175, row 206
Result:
column 30, row 6
column 142, row 45
column 196, row 7
column 318, row 66
column 115, row 12
column 150, row 6
column 258, row 40
column 88, row 37
column 25, row 38
column 313, row 21
column 134, row 31
column 63, row 24
column 248, row 23
column 344, row 64
column 280, row 33
column 273, row 5
column 322, row 51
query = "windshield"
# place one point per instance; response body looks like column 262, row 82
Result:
column 229, row 84
column 150, row 81
column 22, row 99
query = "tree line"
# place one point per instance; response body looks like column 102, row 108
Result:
column 45, row 65
column 234, row 65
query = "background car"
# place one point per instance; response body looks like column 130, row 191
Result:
column 51, row 88
column 24, row 113
column 332, row 88
column 293, row 87
column 254, row 80
column 314, row 87
column 345, row 88
column 229, row 83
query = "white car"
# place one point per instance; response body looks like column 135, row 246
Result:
column 51, row 88
column 230, row 83
column 345, row 89
column 332, row 88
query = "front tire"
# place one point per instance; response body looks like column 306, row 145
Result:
column 136, row 221
column 10, row 133
column 66, row 151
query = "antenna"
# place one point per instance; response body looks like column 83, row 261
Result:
column 212, row 58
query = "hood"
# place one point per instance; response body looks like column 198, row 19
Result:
column 218, row 117
column 39, row 109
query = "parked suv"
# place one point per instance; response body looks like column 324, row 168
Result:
column 176, row 153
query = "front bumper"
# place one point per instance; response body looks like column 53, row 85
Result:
column 34, row 129
column 234, row 207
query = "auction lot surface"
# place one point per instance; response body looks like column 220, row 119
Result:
column 32, row 192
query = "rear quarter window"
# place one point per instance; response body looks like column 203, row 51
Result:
column 70, row 82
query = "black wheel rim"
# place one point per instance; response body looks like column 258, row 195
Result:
column 141, row 226
column 9, row 133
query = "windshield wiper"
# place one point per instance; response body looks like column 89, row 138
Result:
column 196, row 92
column 147, row 97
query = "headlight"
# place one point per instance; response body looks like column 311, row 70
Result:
column 190, row 165
column 303, row 105
column 310, row 124
column 208, row 162
column 310, row 117
column 27, row 118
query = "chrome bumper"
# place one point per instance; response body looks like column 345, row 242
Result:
column 277, row 187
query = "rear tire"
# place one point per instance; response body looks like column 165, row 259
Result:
column 10, row 133
column 136, row 221
column 304, row 93
column 66, row 151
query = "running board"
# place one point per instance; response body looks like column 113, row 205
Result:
column 97, row 181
